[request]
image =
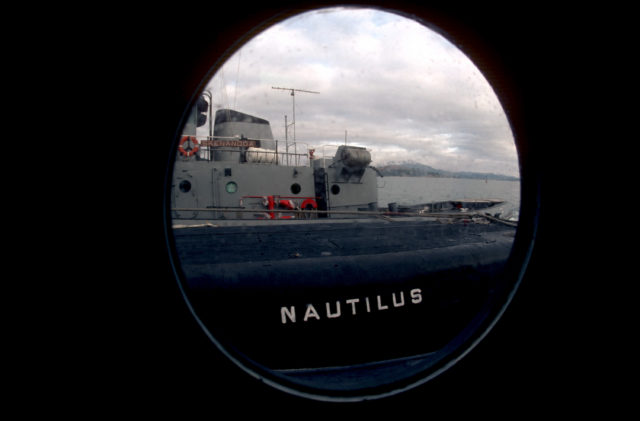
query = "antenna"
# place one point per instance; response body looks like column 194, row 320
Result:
column 293, row 98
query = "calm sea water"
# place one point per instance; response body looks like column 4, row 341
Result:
column 417, row 190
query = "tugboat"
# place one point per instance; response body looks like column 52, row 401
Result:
column 289, row 263
column 240, row 172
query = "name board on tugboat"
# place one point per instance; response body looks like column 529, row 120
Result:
column 243, row 143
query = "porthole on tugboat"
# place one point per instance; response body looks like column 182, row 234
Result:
column 343, row 205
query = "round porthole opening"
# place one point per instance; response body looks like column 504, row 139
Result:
column 231, row 187
column 388, row 291
column 185, row 186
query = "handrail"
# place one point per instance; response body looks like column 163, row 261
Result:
column 208, row 145
column 282, row 157
column 363, row 213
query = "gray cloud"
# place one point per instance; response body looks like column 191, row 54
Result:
column 397, row 87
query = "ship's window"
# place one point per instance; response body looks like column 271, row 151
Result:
column 391, row 283
column 185, row 186
column 231, row 187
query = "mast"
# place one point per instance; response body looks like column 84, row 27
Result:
column 293, row 123
column 207, row 93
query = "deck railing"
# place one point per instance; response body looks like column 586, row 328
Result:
column 268, row 151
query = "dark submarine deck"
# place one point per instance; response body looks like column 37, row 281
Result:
column 250, row 283
column 237, row 253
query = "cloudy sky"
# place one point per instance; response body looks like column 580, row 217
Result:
column 395, row 86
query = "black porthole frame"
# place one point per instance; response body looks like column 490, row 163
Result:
column 523, row 244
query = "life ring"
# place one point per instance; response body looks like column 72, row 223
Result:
column 308, row 202
column 191, row 151
column 287, row 204
column 271, row 205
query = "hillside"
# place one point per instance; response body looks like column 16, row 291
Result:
column 413, row 169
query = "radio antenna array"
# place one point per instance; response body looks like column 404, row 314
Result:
column 293, row 98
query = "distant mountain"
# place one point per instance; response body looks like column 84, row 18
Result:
column 414, row 169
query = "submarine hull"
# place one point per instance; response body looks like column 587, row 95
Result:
column 297, row 296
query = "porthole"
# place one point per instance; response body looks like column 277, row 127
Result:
column 185, row 186
column 360, row 314
column 231, row 187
